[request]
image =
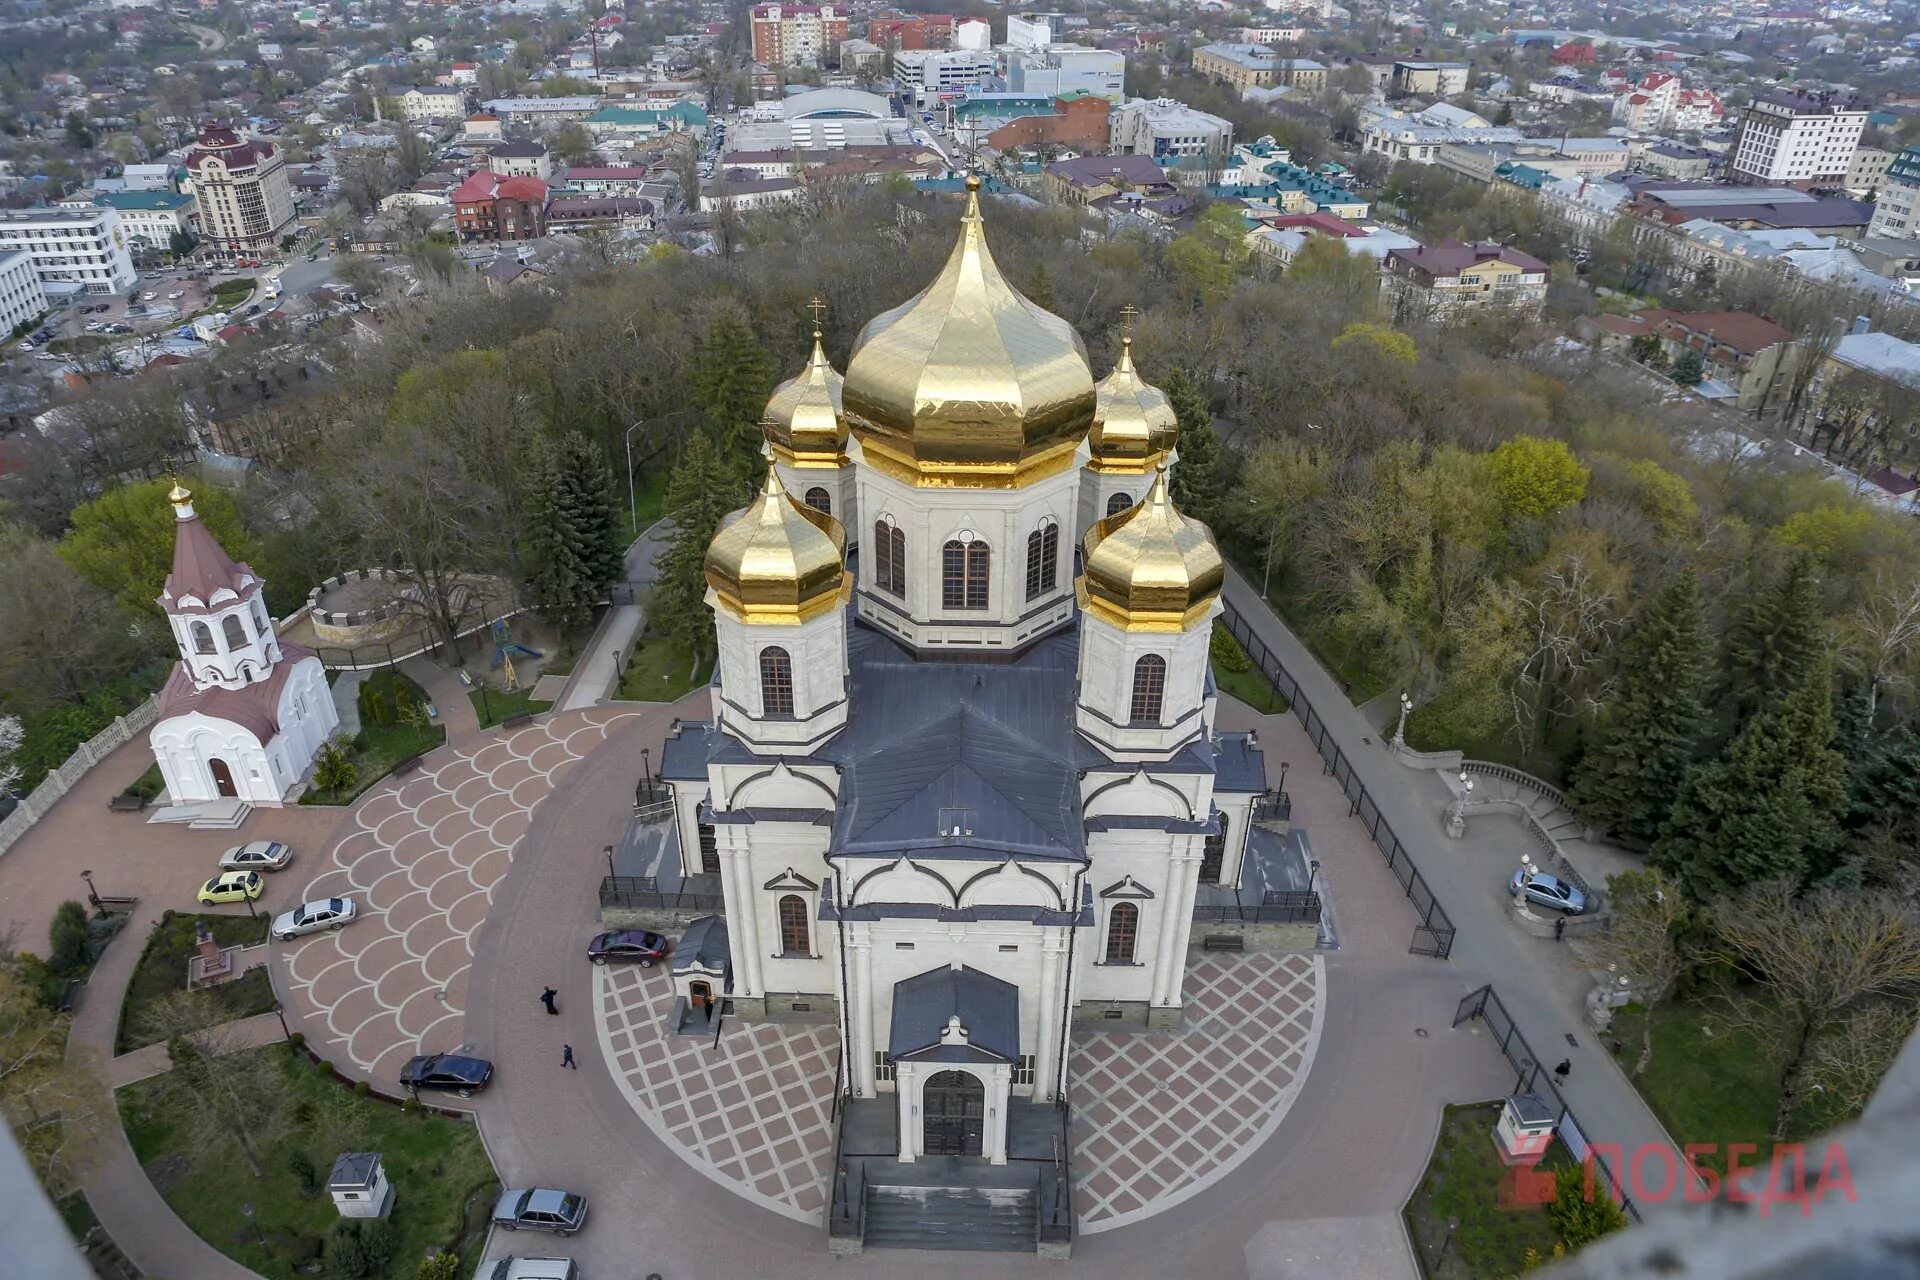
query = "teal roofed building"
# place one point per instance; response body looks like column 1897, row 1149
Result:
column 1001, row 106
column 645, row 122
column 1522, row 175
column 151, row 219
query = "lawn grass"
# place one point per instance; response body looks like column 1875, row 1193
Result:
column 1462, row 1187
column 660, row 671
column 437, row 1166
column 229, row 293
column 163, row 970
column 378, row 747
column 1251, row 685
column 495, row 705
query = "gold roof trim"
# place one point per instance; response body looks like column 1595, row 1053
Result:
column 1149, row 568
column 803, row 422
column 778, row 561
column 1134, row 425
column 968, row 384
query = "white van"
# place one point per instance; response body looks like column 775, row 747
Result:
column 534, row 1269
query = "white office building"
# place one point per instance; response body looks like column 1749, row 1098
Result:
column 20, row 296
column 1063, row 68
column 936, row 71
column 1787, row 139
column 1164, row 127
column 1036, row 30
column 72, row 247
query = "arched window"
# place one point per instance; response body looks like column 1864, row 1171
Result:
column 203, row 638
column 776, row 682
column 236, row 632
column 1149, row 683
column 963, row 574
column 820, row 500
column 1123, row 930
column 889, row 557
column 793, row 926
column 1119, row 502
column 1043, row 560
column 259, row 619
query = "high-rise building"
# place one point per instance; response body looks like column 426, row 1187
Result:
column 20, row 296
column 1896, row 214
column 1788, row 138
column 246, row 202
column 72, row 249
column 797, row 35
column 895, row 31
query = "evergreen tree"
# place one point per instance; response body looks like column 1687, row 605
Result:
column 732, row 378
column 1689, row 369
column 1775, row 640
column 702, row 489
column 574, row 537
column 1196, row 481
column 1769, row 806
column 1644, row 749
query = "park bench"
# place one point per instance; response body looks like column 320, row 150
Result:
column 516, row 721
column 1224, row 942
column 405, row 767
column 126, row 804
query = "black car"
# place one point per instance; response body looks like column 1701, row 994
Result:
column 627, row 946
column 449, row 1072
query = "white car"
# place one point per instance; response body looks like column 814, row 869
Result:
column 260, row 855
column 148, row 296
column 311, row 917
column 176, row 295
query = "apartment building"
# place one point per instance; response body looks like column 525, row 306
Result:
column 152, row 218
column 1661, row 104
column 892, row 31
column 797, row 35
column 433, row 102
column 1438, row 79
column 936, row 71
column 20, row 297
column 1450, row 278
column 1036, row 30
column 1793, row 139
column 1867, row 170
column 73, row 250
column 240, row 184
column 1896, row 214
column 1258, row 66
column 1161, row 127
column 488, row 206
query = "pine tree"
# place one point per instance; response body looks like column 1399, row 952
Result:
column 1769, row 806
column 1196, row 481
column 732, row 378
column 1689, row 369
column 701, row 490
column 1775, row 640
column 1644, row 749
column 574, row 536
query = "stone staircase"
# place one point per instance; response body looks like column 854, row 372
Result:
column 1548, row 811
column 216, row 815
column 952, row 1219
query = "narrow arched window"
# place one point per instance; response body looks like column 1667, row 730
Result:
column 259, row 619
column 963, row 574
column 1149, row 686
column 203, row 638
column 776, row 682
column 1123, row 930
column 889, row 557
column 820, row 500
column 1119, row 502
column 236, row 631
column 793, row 926
column 1043, row 560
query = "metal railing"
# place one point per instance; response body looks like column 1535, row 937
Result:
column 642, row 893
column 1433, row 936
column 1272, row 806
column 652, row 800
column 1055, row 1210
column 1518, row 777
column 1280, row 906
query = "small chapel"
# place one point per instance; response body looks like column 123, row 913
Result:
column 962, row 780
column 243, row 713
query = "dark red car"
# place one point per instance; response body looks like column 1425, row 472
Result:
column 627, row 946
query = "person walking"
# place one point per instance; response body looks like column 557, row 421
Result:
column 566, row 1057
column 1564, row 1070
column 1560, row 929
column 547, row 997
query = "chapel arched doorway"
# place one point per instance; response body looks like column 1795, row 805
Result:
column 223, row 779
column 955, row 1106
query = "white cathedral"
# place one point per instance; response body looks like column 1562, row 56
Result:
column 243, row 713
column 956, row 796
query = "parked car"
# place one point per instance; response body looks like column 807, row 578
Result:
column 176, row 295
column 540, row 1209
column 448, row 1072
column 148, row 296
column 534, row 1269
column 312, row 917
column 1543, row 890
column 232, row 886
column 261, row 855
column 627, row 946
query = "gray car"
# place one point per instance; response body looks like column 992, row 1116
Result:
column 312, row 917
column 540, row 1209
column 1543, row 890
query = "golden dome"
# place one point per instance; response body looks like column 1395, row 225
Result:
column 968, row 384
column 1149, row 568
column 778, row 561
column 179, row 495
column 803, row 421
column 1134, row 426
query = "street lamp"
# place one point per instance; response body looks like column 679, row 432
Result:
column 92, row 895
column 1400, row 731
column 1313, row 869
column 1457, row 811
column 633, row 505
column 610, row 871
column 646, row 764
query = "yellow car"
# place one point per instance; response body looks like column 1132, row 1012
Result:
column 232, row 886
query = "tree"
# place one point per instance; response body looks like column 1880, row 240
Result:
column 11, row 736
column 333, row 772
column 1196, row 482
column 1775, row 638
column 1581, row 1218
column 65, row 637
column 573, row 544
column 571, row 143
column 1375, row 342
column 1648, row 913
column 1537, row 477
column 1644, row 748
column 51, row 1098
column 702, row 490
column 213, row 1093
column 732, row 378
column 69, row 952
column 1689, row 368
column 122, row 541
column 1823, row 959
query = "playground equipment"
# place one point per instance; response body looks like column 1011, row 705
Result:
column 504, row 647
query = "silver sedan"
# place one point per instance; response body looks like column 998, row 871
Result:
column 260, row 855
column 311, row 917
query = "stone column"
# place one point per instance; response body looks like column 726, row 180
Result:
column 906, row 1085
column 860, row 1013
column 1175, row 929
column 1051, row 995
column 999, row 1092
column 743, row 924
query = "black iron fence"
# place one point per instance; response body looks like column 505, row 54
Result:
column 641, row 893
column 1433, row 936
column 1529, row 1077
column 1279, row 906
column 1273, row 806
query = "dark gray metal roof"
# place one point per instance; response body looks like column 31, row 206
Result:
column 1238, row 764
column 354, row 1171
column 704, row 947
column 925, row 1004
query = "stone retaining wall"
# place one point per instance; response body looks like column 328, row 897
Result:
column 1295, row 936
column 361, row 626
column 61, row 780
column 658, row 919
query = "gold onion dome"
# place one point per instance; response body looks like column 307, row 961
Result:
column 1149, row 568
column 179, row 495
column 1134, row 426
column 778, row 561
column 968, row 384
column 803, row 420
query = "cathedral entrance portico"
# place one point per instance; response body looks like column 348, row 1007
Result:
column 954, row 1107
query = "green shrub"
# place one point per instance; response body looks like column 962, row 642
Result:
column 376, row 1243
column 297, row 1040
column 441, row 1266
column 333, row 771
column 303, row 1249
column 411, row 1104
column 1226, row 651
column 70, row 956
column 361, row 1088
column 346, row 1252
column 1580, row 1220
column 305, row 1176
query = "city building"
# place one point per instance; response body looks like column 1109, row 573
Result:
column 1418, row 138
column 1279, row 239
column 1434, row 79
column 1747, row 359
column 433, row 102
column 488, row 206
column 520, row 160
column 1787, row 138
column 1867, row 170
column 1036, row 30
column 241, row 188
column 1095, row 180
column 20, row 297
column 538, row 113
column 933, row 72
column 1256, row 66
column 797, row 35
column 1896, row 214
column 823, row 119
column 1660, row 103
column 74, row 250
column 243, row 713
column 893, row 31
column 152, row 219
column 1067, row 68
column 1447, row 279
column 1079, row 121
column 1160, row 127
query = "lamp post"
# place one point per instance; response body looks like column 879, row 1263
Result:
column 610, row 871
column 285, row 1032
column 633, row 504
column 1457, row 811
column 1313, row 870
column 646, row 765
column 1400, row 730
column 93, row 895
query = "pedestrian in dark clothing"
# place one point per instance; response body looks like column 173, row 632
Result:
column 1564, row 1070
column 1560, row 929
column 566, row 1057
column 546, row 998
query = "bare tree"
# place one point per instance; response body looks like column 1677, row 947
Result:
column 1647, row 910
column 1849, row 1064
column 1880, row 640
column 1573, row 616
column 213, row 1093
column 52, row 1099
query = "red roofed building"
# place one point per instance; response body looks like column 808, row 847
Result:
column 241, row 187
column 490, row 207
column 1575, row 53
column 1750, row 356
column 1444, row 279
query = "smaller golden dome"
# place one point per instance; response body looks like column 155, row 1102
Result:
column 1149, row 568
column 803, row 420
column 778, row 561
column 179, row 495
column 1134, row 426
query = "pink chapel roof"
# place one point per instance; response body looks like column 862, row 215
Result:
column 254, row 707
column 201, row 566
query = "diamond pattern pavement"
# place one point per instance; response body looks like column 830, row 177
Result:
column 421, row 860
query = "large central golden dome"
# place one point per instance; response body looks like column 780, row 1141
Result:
column 968, row 384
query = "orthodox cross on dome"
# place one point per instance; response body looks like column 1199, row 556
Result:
column 1127, row 315
column 819, row 308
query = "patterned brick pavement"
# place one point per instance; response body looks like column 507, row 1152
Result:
column 1158, row 1117
column 422, row 860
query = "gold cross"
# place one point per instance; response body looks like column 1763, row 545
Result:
column 1127, row 313
column 819, row 308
